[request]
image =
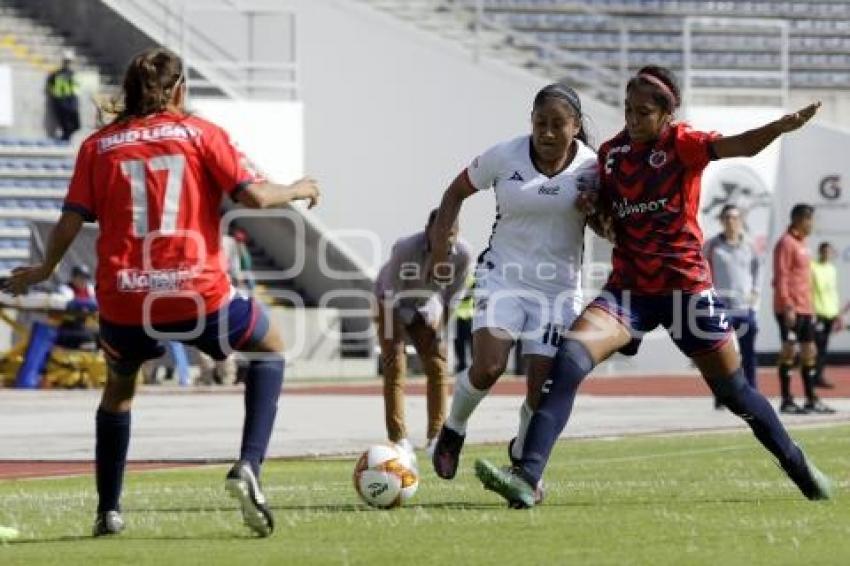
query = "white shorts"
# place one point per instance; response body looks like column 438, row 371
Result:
column 536, row 319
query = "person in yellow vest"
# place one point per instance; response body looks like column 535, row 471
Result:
column 826, row 305
column 62, row 89
column 463, row 326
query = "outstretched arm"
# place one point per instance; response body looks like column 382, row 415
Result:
column 749, row 143
column 60, row 240
column 454, row 196
column 268, row 195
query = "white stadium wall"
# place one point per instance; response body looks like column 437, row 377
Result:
column 814, row 169
column 270, row 132
column 393, row 113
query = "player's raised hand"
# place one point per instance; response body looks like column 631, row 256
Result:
column 24, row 276
column 307, row 188
column 791, row 122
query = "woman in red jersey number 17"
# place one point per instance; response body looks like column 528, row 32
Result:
column 153, row 180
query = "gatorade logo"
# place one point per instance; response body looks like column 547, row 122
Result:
column 830, row 187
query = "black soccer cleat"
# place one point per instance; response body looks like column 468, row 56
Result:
column 447, row 453
column 819, row 407
column 242, row 484
column 789, row 407
column 107, row 523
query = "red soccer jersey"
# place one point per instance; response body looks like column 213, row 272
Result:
column 651, row 191
column 792, row 275
column 155, row 185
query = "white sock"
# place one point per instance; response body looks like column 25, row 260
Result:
column 464, row 400
column 525, row 414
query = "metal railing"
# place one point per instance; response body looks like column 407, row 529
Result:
column 487, row 33
column 740, row 81
column 233, row 68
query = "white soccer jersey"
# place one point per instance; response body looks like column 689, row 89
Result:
column 538, row 235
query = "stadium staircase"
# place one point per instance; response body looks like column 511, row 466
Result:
column 484, row 36
column 34, row 171
column 592, row 43
column 34, row 176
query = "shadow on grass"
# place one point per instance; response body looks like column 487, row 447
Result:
column 319, row 507
column 131, row 537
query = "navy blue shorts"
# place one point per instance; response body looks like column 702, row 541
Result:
column 698, row 323
column 236, row 326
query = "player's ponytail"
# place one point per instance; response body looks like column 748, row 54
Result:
column 567, row 95
column 149, row 82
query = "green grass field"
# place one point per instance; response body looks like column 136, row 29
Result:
column 710, row 499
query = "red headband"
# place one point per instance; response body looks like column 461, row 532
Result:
column 665, row 90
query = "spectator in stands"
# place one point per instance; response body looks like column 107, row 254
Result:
column 463, row 325
column 62, row 89
column 413, row 304
column 735, row 272
column 73, row 332
column 827, row 306
column 792, row 304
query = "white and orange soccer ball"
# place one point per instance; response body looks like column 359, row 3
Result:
column 385, row 476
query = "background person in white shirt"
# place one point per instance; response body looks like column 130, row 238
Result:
column 735, row 268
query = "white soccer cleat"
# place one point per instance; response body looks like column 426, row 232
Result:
column 108, row 523
column 243, row 485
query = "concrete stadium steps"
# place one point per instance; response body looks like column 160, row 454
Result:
column 33, row 49
column 820, row 35
column 590, row 33
column 34, row 175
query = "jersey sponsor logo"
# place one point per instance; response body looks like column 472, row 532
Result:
column 552, row 191
column 658, row 158
column 626, row 208
column 140, row 135
column 609, row 157
column 516, row 177
column 139, row 281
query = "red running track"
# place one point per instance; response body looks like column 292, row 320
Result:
column 636, row 385
column 621, row 386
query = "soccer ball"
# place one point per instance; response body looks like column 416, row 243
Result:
column 385, row 476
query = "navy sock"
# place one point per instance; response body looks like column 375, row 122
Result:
column 262, row 390
column 112, row 432
column 569, row 368
column 752, row 406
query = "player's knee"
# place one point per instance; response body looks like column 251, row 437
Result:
column 483, row 375
column 271, row 342
column 118, row 393
column 573, row 362
column 123, row 371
